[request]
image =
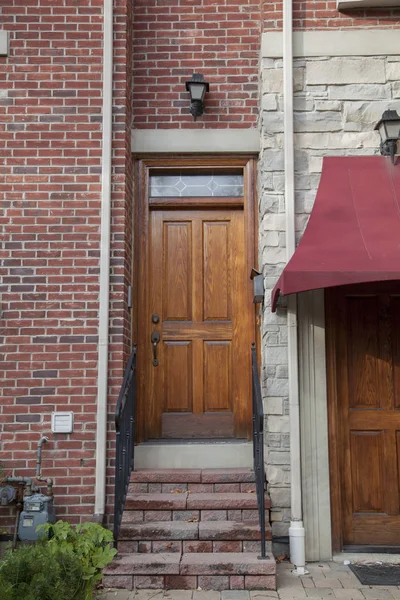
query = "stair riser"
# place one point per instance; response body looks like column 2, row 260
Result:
column 193, row 476
column 186, row 501
column 147, row 516
column 194, row 488
column 191, row 582
column 146, row 546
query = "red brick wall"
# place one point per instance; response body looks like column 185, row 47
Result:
column 320, row 14
column 173, row 39
column 50, row 167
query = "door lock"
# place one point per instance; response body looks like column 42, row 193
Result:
column 155, row 319
column 155, row 338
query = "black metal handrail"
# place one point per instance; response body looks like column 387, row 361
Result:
column 258, row 445
column 125, row 440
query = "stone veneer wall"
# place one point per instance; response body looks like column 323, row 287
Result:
column 337, row 101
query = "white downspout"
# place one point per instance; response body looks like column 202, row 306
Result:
column 105, row 226
column 296, row 529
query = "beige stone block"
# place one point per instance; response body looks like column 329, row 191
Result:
column 393, row 70
column 269, row 102
column 322, row 105
column 271, row 238
column 303, row 103
column 274, row 222
column 273, row 406
column 367, row 113
column 343, row 70
column 359, row 92
column 317, row 121
column 273, row 80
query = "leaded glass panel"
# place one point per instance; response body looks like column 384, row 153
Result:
column 186, row 184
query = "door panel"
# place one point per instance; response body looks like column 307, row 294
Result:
column 363, row 324
column 217, row 262
column 198, row 284
column 177, row 283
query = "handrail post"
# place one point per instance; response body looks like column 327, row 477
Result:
column 125, row 440
column 258, row 446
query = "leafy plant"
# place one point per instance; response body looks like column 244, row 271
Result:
column 39, row 572
column 89, row 542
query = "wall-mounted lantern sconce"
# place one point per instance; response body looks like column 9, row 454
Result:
column 389, row 130
column 197, row 89
column 258, row 282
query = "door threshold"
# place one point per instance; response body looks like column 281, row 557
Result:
column 368, row 557
column 372, row 549
column 194, row 454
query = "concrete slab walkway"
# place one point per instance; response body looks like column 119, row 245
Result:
column 332, row 580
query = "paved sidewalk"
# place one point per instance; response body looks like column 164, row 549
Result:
column 330, row 580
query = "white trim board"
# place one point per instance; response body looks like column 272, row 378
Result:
column 3, row 43
column 195, row 140
column 314, row 426
column 351, row 42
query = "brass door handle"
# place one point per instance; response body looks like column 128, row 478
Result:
column 155, row 338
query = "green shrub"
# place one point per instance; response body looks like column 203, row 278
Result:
column 39, row 572
column 65, row 564
column 90, row 542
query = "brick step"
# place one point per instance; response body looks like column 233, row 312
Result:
column 148, row 516
column 188, row 476
column 194, row 488
column 187, row 501
column 216, row 571
column 147, row 546
column 181, row 530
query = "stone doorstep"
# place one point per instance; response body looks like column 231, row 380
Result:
column 180, row 530
column 193, row 476
column 175, row 563
column 213, row 501
column 191, row 582
column 192, row 488
column 159, row 546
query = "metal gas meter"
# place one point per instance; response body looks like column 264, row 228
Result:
column 38, row 509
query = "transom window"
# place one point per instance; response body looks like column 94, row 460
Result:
column 196, row 184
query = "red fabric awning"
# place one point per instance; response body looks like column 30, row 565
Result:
column 353, row 234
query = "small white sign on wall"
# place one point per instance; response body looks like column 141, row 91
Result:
column 62, row 422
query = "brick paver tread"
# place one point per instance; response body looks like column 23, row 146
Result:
column 156, row 501
column 145, row 564
column 160, row 530
column 226, row 563
column 167, row 476
column 231, row 530
column 224, row 501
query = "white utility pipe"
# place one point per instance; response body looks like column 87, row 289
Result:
column 296, row 529
column 105, row 227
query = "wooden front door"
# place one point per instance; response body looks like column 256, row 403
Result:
column 198, row 318
column 363, row 333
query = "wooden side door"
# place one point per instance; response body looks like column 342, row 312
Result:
column 363, row 333
column 200, row 384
